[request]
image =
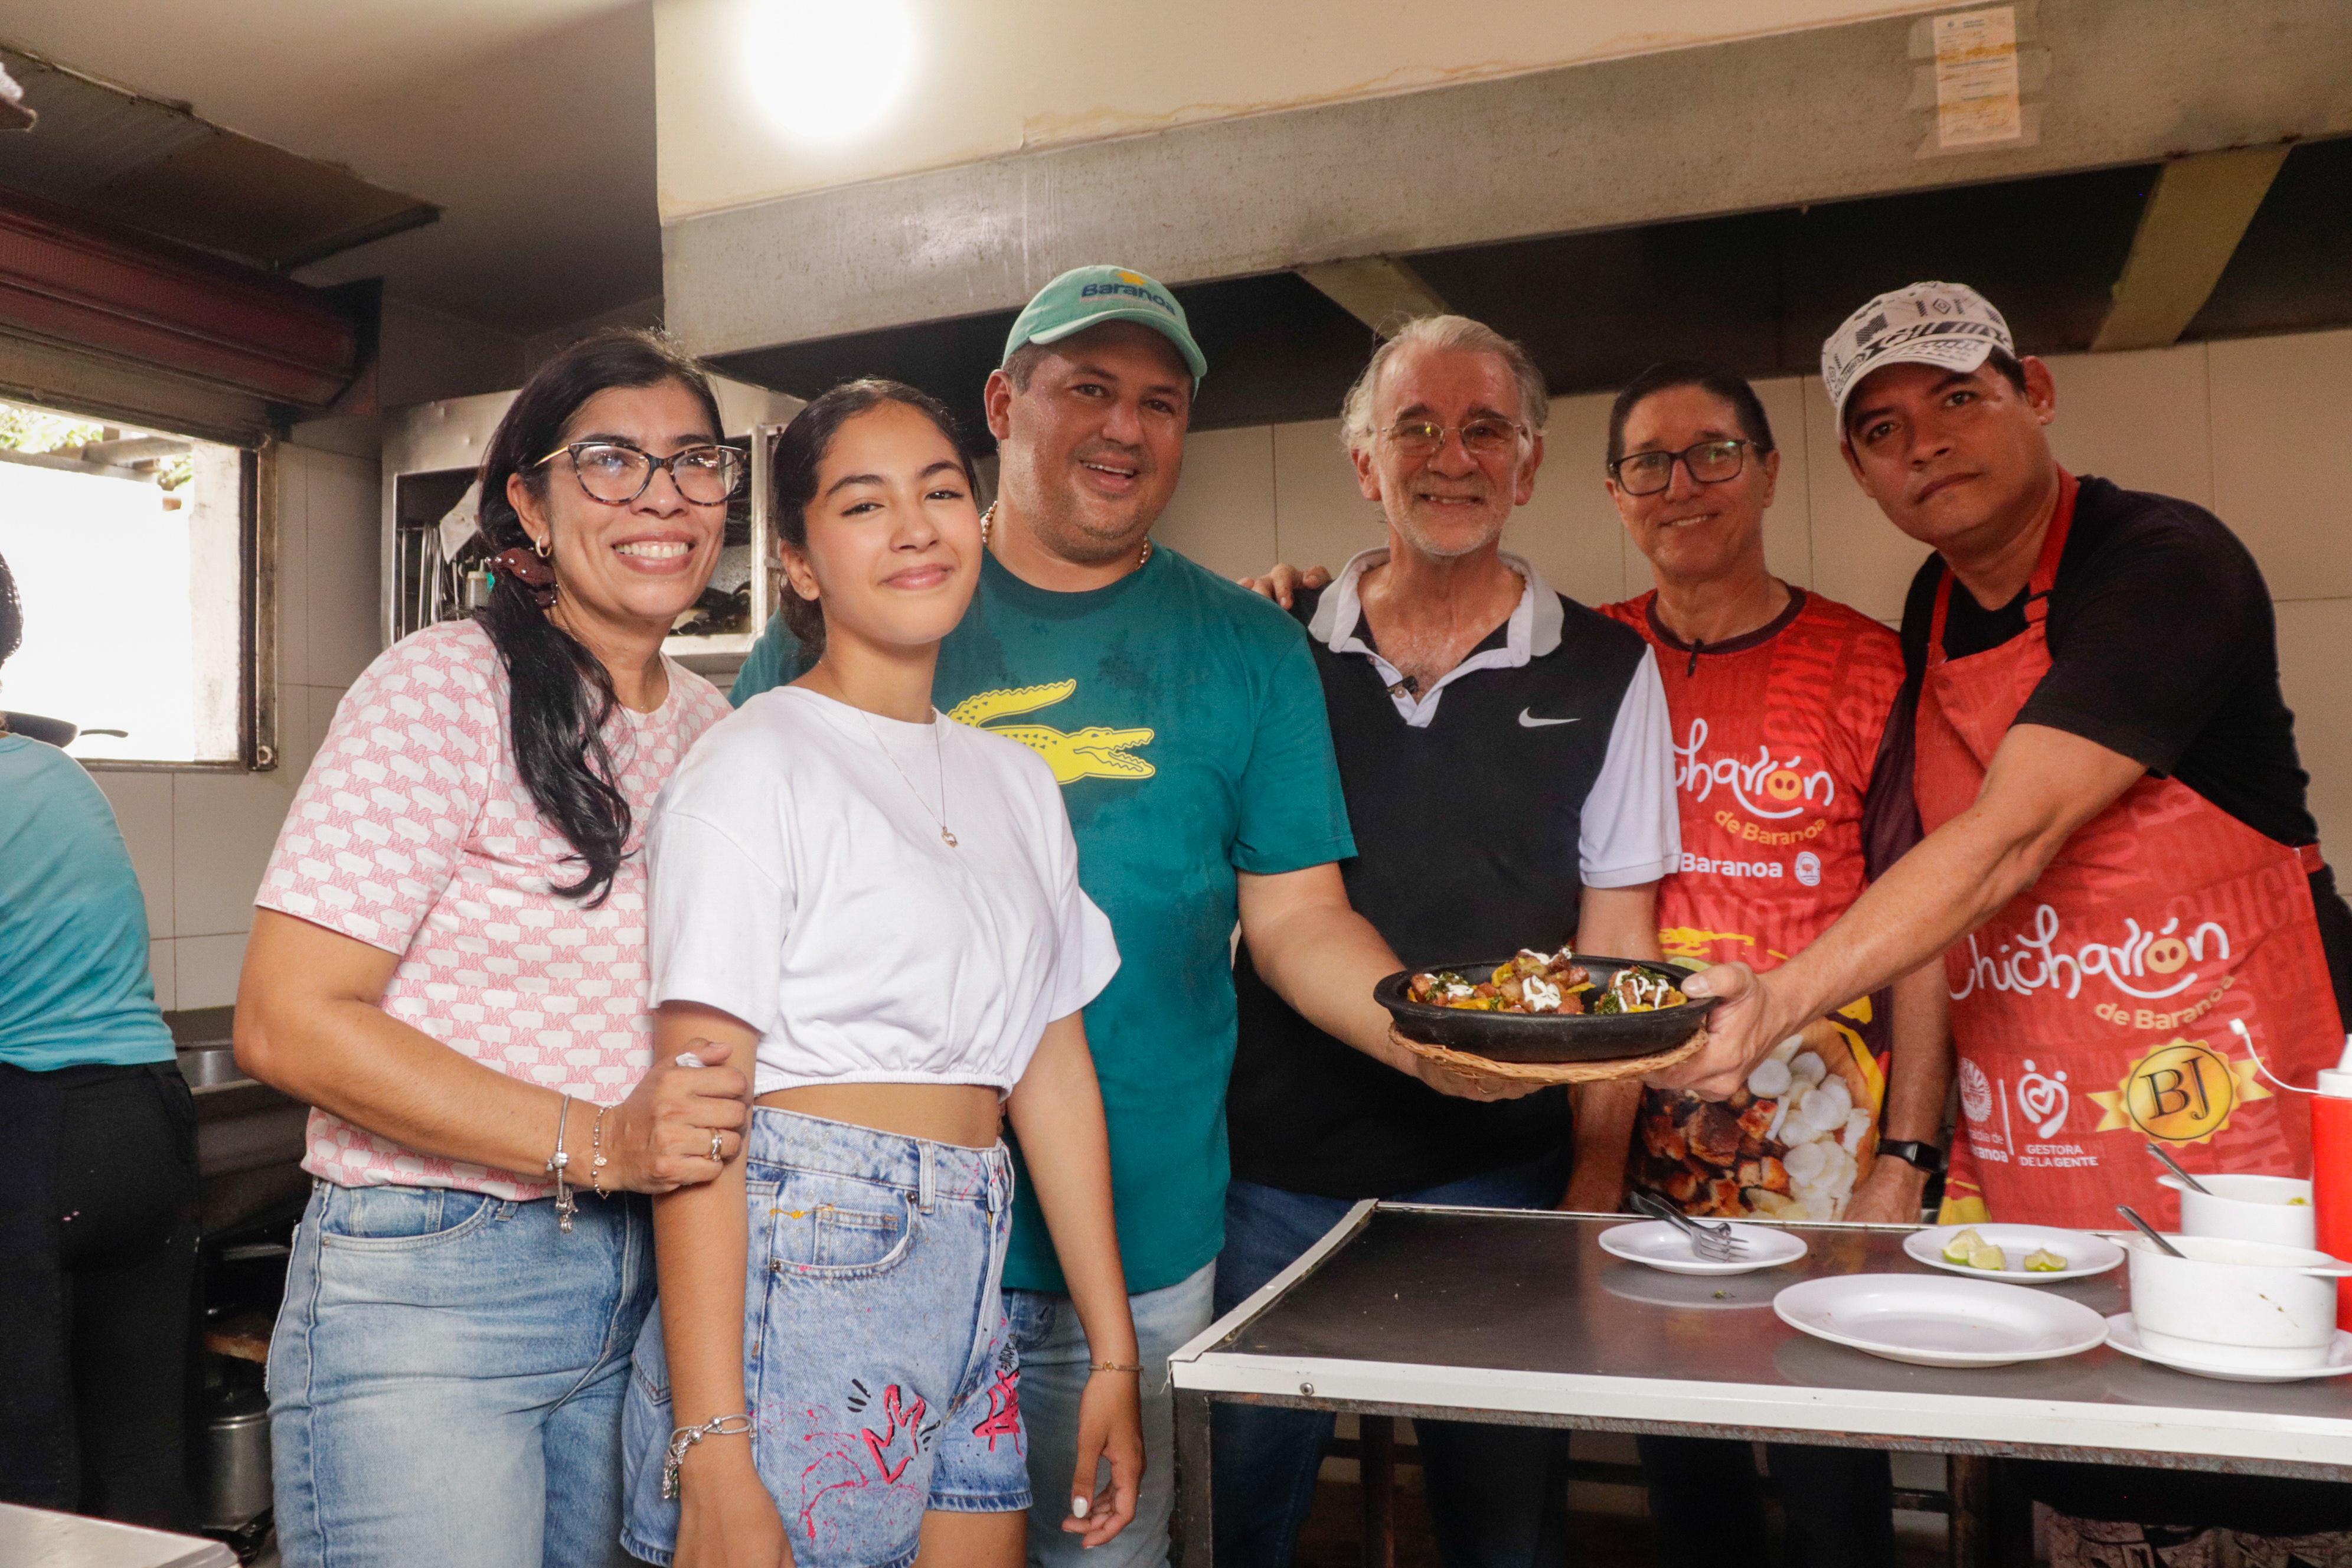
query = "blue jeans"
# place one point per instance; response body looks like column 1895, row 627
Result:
column 446, row 1379
column 1497, row 1495
column 877, row 1371
column 1054, row 1357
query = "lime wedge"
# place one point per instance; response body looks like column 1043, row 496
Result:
column 1957, row 1249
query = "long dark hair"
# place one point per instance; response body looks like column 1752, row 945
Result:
column 801, row 448
column 560, row 695
column 1745, row 406
column 12, row 613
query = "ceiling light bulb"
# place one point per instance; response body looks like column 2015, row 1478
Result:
column 828, row 72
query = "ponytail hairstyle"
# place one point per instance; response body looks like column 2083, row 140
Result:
column 12, row 613
column 560, row 695
column 800, row 449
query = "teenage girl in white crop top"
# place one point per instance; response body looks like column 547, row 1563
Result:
column 885, row 905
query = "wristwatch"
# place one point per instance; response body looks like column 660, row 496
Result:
column 1926, row 1156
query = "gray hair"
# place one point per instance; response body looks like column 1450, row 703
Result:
column 1458, row 333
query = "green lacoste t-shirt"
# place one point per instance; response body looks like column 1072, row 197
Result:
column 1184, row 719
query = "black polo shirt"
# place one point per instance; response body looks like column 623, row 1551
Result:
column 1481, row 810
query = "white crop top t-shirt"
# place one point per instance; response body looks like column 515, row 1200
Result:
column 799, row 883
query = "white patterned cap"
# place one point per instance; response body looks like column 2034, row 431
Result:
column 1948, row 324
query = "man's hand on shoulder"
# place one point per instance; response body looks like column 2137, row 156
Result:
column 1283, row 582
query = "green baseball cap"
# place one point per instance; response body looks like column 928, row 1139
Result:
column 1089, row 296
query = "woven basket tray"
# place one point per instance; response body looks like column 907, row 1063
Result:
column 1502, row 1073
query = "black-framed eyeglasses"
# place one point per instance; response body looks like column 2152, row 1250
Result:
column 617, row 473
column 1480, row 438
column 1707, row 462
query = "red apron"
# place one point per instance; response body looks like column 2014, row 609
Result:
column 2094, row 1012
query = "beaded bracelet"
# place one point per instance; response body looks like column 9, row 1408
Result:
column 596, row 1144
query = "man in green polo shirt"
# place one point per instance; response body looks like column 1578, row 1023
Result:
column 1184, row 719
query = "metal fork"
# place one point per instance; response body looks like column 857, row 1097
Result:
column 1715, row 1243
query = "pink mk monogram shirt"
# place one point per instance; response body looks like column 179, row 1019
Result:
column 414, row 833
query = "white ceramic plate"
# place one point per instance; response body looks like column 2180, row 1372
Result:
column 2085, row 1254
column 1661, row 1246
column 1929, row 1321
column 2124, row 1336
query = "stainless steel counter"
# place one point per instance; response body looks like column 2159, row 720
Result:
column 1487, row 1315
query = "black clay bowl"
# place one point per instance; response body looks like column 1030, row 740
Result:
column 1544, row 1037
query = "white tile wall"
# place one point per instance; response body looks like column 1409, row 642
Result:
column 1569, row 528
column 143, row 806
column 2281, row 422
column 341, row 568
column 207, row 968
column 2138, row 419
column 199, row 840
column 1223, row 515
column 1321, row 517
column 2254, row 428
column 2314, row 636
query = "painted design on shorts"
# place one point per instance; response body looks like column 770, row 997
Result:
column 843, row 1455
column 898, row 1420
column 1003, row 1417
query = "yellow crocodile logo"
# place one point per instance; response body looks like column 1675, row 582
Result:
column 1094, row 752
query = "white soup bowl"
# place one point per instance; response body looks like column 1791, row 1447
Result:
column 2249, row 1208
column 2235, row 1303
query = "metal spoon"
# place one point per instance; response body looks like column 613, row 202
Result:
column 2173, row 1166
column 2149, row 1230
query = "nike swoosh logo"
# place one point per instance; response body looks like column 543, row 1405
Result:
column 1529, row 721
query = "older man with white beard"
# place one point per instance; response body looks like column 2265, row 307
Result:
column 1507, row 759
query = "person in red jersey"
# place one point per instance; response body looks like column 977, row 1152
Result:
column 1794, row 792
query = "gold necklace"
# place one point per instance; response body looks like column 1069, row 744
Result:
column 939, row 750
column 988, row 520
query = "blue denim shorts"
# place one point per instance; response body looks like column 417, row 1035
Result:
column 880, row 1376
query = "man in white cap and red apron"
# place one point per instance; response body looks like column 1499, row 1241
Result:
column 2119, row 867
column 2119, row 864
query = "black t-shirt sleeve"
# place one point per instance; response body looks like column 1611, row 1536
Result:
column 1890, row 810
column 2151, row 638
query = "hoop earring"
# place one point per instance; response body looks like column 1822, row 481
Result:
column 539, row 548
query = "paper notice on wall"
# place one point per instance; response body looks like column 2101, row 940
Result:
column 1976, row 78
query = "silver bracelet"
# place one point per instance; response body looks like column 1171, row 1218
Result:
column 686, row 1437
column 565, row 1205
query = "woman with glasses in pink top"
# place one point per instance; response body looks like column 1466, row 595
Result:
column 449, row 966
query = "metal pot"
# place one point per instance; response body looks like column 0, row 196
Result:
column 234, row 1473
column 58, row 733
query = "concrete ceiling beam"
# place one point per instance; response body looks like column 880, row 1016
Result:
column 2191, row 227
column 1379, row 291
column 1778, row 121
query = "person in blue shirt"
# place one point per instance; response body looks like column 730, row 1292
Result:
column 1184, row 718
column 98, row 1233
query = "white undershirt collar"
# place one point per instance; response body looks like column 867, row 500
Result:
column 1532, row 632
